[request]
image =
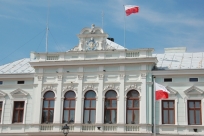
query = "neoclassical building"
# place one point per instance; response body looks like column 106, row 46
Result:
column 102, row 88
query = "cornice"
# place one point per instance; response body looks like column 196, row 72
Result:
column 178, row 72
column 95, row 62
column 19, row 76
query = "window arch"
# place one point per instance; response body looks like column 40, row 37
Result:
column 110, row 108
column 69, row 107
column 132, row 111
column 48, row 107
column 90, row 107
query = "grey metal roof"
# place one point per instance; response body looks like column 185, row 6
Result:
column 19, row 66
column 180, row 60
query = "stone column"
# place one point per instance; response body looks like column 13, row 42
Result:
column 99, row 107
column 79, row 105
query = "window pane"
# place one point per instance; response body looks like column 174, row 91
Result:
column 129, row 104
column 113, row 116
column 49, row 95
column 129, row 116
column 191, row 117
column 114, row 103
column 93, row 116
column 0, row 105
column 87, row 103
column 52, row 104
column 136, row 116
column 191, row 104
column 136, row 103
column 197, row 104
column 70, row 94
column 107, row 116
column 86, row 116
column 198, row 117
column 165, row 116
column 171, row 104
column 93, row 104
column 66, row 104
column 90, row 94
column 72, row 104
column 21, row 104
column 44, row 116
column 165, row 104
column 107, row 103
column 171, row 116
column 66, row 115
column 15, row 116
column 51, row 115
column 0, row 115
column 72, row 116
column 45, row 104
column 111, row 94
column 133, row 94
column 20, row 116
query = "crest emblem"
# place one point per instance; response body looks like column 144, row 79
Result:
column 91, row 44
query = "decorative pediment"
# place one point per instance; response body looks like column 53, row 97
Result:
column 19, row 93
column 171, row 90
column 2, row 94
column 193, row 91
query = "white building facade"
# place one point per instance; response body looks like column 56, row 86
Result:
column 102, row 88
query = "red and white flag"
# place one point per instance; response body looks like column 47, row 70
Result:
column 161, row 92
column 129, row 9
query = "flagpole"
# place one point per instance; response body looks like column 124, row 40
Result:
column 124, row 28
column 154, row 108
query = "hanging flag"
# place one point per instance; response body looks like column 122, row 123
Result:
column 129, row 9
column 161, row 92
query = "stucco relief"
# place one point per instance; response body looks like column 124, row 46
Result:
column 122, row 76
column 80, row 77
column 90, row 87
column 49, row 88
column 132, row 87
column 59, row 77
column 69, row 88
column 111, row 87
column 40, row 77
column 143, row 75
column 100, row 76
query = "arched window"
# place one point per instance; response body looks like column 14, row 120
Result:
column 132, row 113
column 48, row 107
column 69, row 107
column 90, row 107
column 110, row 115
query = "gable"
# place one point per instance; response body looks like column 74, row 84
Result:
column 19, row 93
column 193, row 90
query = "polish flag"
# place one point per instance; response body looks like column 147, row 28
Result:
column 161, row 92
column 129, row 9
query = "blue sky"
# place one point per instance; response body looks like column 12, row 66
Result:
column 159, row 24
